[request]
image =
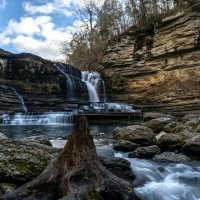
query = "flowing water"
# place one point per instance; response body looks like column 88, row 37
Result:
column 165, row 181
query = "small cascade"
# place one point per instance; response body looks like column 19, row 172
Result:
column 93, row 82
column 111, row 107
column 104, row 91
column 49, row 118
column 3, row 63
column 21, row 100
column 74, row 85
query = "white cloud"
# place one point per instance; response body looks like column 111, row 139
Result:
column 37, row 35
column 3, row 3
column 57, row 6
column 33, row 9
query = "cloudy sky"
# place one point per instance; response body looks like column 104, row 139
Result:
column 36, row 26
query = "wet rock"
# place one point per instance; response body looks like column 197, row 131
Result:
column 2, row 136
column 42, row 139
column 119, row 167
column 152, row 115
column 145, row 152
column 168, row 141
column 65, row 137
column 169, row 128
column 171, row 157
column 124, row 145
column 135, row 133
column 188, row 117
column 157, row 124
column 192, row 147
column 21, row 161
column 7, row 187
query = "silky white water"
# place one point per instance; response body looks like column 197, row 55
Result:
column 165, row 181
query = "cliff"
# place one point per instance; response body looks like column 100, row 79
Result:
column 157, row 69
column 41, row 84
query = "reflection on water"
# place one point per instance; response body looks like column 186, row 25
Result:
column 56, row 130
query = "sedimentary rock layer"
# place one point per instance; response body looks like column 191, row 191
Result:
column 158, row 68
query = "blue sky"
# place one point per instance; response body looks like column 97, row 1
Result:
column 36, row 26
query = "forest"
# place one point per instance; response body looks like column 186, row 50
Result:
column 99, row 21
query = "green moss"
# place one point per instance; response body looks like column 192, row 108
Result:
column 93, row 194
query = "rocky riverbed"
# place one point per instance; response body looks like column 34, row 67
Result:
column 161, row 138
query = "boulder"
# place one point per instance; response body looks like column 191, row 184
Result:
column 7, row 187
column 21, row 161
column 145, row 152
column 169, row 141
column 135, row 133
column 192, row 147
column 157, row 124
column 169, row 128
column 2, row 136
column 188, row 117
column 124, row 145
column 171, row 157
column 42, row 139
column 152, row 115
column 119, row 167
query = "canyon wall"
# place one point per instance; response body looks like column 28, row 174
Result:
column 157, row 69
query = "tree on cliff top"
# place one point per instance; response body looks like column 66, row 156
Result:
column 77, row 174
column 101, row 20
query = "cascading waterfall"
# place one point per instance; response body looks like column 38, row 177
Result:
column 104, row 91
column 73, row 81
column 39, row 119
column 3, row 63
column 87, row 83
column 21, row 100
column 92, row 80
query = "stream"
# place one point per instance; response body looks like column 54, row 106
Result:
column 154, row 180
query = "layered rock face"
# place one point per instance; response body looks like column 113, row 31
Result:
column 39, row 81
column 157, row 68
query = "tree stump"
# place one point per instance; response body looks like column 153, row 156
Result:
column 77, row 174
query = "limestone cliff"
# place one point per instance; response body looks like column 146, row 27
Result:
column 157, row 68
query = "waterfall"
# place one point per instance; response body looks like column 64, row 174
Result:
column 104, row 91
column 74, row 85
column 3, row 63
column 21, row 100
column 39, row 119
column 92, row 80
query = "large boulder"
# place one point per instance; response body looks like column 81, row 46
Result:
column 7, row 187
column 145, row 152
column 169, row 128
column 171, row 157
column 169, row 141
column 192, row 147
column 188, row 117
column 157, row 124
column 135, row 133
column 124, row 145
column 152, row 115
column 118, row 166
column 2, row 136
column 21, row 161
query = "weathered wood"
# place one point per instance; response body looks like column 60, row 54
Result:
column 77, row 174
